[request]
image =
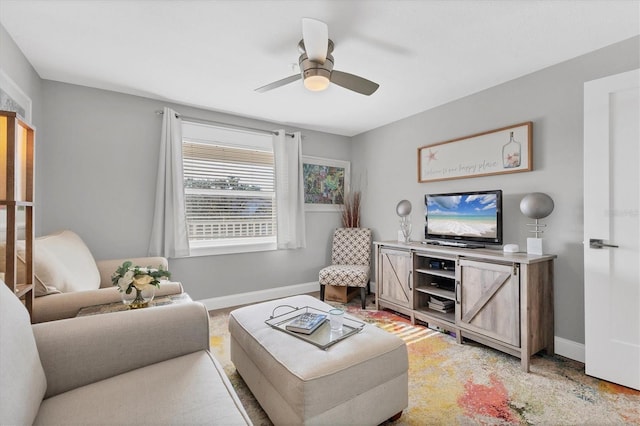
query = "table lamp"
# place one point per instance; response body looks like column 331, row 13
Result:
column 403, row 209
column 536, row 206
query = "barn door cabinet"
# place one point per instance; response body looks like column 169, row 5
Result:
column 504, row 301
column 394, row 279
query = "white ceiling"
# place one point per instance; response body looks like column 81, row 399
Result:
column 213, row 54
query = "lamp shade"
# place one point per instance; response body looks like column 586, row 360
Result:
column 403, row 208
column 536, row 205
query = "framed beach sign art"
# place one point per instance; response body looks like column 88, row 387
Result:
column 325, row 183
column 505, row 150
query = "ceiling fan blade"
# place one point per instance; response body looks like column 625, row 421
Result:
column 316, row 39
column 278, row 83
column 353, row 82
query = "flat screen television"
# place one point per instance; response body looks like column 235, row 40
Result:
column 464, row 218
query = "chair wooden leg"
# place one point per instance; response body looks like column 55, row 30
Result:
column 322, row 292
column 395, row 417
column 363, row 296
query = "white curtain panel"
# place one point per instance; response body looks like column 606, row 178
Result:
column 169, row 235
column 287, row 153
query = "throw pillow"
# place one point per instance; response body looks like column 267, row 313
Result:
column 61, row 263
column 66, row 263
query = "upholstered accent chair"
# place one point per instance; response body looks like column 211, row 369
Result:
column 67, row 277
column 350, row 261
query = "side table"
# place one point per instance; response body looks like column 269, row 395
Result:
column 119, row 306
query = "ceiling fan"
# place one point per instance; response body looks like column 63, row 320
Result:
column 316, row 64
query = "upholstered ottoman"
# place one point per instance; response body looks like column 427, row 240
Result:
column 361, row 380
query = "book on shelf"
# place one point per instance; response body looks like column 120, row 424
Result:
column 440, row 308
column 306, row 323
column 445, row 303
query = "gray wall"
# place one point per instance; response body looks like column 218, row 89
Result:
column 553, row 100
column 99, row 180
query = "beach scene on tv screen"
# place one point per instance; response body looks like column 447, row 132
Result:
column 463, row 216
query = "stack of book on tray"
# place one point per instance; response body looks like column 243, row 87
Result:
column 441, row 305
column 306, row 323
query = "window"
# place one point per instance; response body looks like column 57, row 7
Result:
column 229, row 190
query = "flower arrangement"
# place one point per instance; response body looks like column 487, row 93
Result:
column 128, row 277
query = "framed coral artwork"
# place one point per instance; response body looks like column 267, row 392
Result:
column 325, row 183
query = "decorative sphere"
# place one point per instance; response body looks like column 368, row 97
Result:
column 536, row 205
column 403, row 208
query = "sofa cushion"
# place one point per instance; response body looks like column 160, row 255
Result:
column 21, row 374
column 345, row 275
column 72, row 266
column 191, row 389
column 61, row 263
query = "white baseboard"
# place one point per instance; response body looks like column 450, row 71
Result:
column 259, row 296
column 569, row 349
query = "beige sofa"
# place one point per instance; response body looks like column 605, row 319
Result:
column 148, row 366
column 67, row 278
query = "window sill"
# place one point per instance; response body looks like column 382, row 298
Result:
column 231, row 246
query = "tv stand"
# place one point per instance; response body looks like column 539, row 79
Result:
column 454, row 244
column 501, row 300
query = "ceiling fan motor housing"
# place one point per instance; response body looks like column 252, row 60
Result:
column 310, row 68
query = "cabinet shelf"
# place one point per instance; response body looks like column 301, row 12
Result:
column 446, row 294
column 437, row 272
column 16, row 203
column 442, row 316
column 22, row 289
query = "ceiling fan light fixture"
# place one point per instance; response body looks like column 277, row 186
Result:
column 316, row 64
column 316, row 76
column 316, row 83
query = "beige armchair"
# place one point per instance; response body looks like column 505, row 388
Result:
column 147, row 366
column 67, row 278
column 350, row 261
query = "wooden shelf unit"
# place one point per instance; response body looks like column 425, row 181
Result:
column 17, row 165
column 501, row 300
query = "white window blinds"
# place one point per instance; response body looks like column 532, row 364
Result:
column 229, row 187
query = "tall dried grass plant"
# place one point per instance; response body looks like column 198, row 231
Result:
column 351, row 210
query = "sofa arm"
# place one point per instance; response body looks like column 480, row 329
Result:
column 79, row 351
column 66, row 305
column 109, row 266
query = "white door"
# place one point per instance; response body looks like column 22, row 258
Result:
column 611, row 228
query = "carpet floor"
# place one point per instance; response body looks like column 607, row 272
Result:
column 470, row 383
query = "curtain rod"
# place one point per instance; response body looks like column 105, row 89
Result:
column 227, row 125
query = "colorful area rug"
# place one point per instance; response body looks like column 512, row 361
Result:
column 473, row 384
